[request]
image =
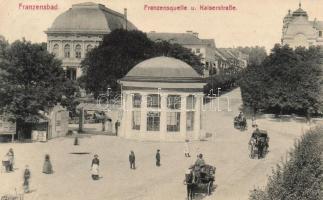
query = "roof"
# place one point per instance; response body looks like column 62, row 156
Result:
column 226, row 53
column 209, row 42
column 179, row 38
column 89, row 17
column 162, row 69
column 218, row 54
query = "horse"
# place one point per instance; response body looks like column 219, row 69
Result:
column 190, row 182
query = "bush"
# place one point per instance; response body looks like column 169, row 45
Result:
column 301, row 176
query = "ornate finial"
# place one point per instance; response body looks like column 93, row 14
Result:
column 289, row 11
column 300, row 4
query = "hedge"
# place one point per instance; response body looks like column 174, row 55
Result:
column 301, row 176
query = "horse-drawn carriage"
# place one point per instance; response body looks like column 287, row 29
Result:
column 199, row 180
column 258, row 144
column 240, row 122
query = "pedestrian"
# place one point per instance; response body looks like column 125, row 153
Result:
column 95, row 167
column 117, row 124
column 11, row 159
column 26, row 179
column 132, row 160
column 253, row 121
column 186, row 149
column 158, row 158
column 47, row 167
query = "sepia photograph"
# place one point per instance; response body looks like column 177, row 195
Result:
column 161, row 100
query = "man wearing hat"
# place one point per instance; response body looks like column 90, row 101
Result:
column 158, row 158
column 132, row 160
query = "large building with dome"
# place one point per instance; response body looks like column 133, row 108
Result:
column 79, row 29
column 162, row 101
column 298, row 30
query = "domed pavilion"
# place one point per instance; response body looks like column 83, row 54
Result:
column 162, row 101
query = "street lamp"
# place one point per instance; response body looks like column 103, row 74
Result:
column 219, row 99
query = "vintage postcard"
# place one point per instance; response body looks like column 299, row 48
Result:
column 161, row 99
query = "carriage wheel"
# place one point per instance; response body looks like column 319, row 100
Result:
column 209, row 188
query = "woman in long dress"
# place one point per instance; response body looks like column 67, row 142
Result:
column 11, row 158
column 26, row 179
column 95, row 167
column 47, row 167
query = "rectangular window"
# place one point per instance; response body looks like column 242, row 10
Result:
column 153, row 121
column 190, row 102
column 198, row 51
column 173, row 121
column 320, row 34
column 136, row 100
column 190, row 121
column 136, row 115
column 174, row 102
column 153, row 101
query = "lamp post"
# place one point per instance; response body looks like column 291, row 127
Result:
column 219, row 99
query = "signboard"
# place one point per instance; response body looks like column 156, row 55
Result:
column 6, row 127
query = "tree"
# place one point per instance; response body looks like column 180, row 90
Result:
column 33, row 81
column 288, row 81
column 256, row 54
column 119, row 52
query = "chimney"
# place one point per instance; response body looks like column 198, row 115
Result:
column 193, row 33
column 125, row 18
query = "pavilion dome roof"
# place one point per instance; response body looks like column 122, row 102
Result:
column 89, row 17
column 163, row 69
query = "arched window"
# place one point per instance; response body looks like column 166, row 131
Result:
column 56, row 50
column 67, row 51
column 78, row 52
column 89, row 48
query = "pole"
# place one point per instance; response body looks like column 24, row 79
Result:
column 219, row 99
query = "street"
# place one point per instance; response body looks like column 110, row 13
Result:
column 236, row 173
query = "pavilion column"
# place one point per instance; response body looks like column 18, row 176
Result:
column 183, row 116
column 143, row 114
column 197, row 117
column 126, row 117
column 163, row 116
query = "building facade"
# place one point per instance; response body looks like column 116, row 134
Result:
column 298, row 30
column 200, row 47
column 80, row 29
column 213, row 58
column 162, row 101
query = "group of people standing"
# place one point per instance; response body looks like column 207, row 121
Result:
column 132, row 160
column 8, row 163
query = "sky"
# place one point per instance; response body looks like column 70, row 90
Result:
column 254, row 22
